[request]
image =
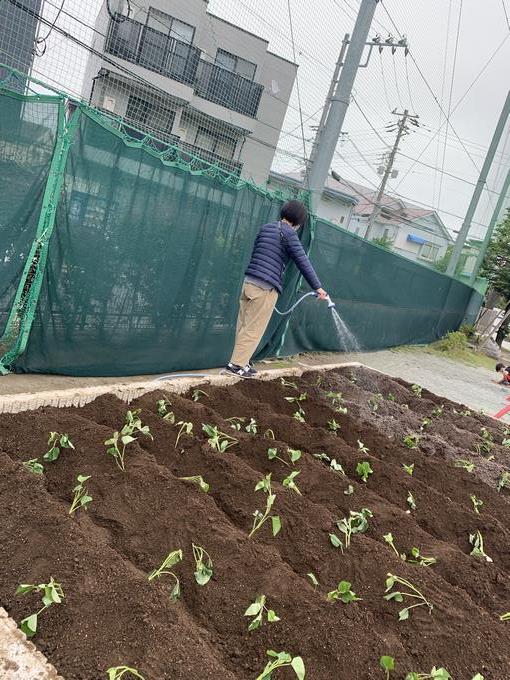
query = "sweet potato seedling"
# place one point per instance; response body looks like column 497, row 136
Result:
column 477, row 503
column 269, row 434
column 34, row 466
column 389, row 540
column 362, row 448
column 387, row 663
column 287, row 383
column 81, row 498
column 435, row 674
column 418, row 558
column 336, row 402
column 57, row 441
column 332, row 462
column 437, row 412
column 485, row 446
column 476, row 540
column 120, row 440
column 52, row 594
column 411, row 441
column 218, row 440
column 198, row 480
column 235, row 422
column 390, row 397
column 185, row 430
column 504, row 481
column 297, row 400
column 374, row 402
column 118, row 672
column 299, row 416
column 364, row 470
column 333, row 426
column 416, row 390
column 505, row 617
column 198, row 394
column 313, row 579
column 289, row 482
column 343, row 593
column 408, row 468
column 252, row 427
column 425, row 423
column 349, row 491
column 258, row 609
column 163, row 408
column 281, row 660
column 410, row 501
column 203, row 567
column 356, row 523
column 398, row 596
column 170, row 560
column 466, row 465
column 259, row 518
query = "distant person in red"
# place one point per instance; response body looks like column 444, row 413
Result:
column 504, row 371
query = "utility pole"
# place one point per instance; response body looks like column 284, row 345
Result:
column 402, row 129
column 466, row 225
column 329, row 134
column 490, row 229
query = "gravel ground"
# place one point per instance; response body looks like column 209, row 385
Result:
column 469, row 385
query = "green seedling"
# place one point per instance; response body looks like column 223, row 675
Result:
column 52, row 594
column 298, row 415
column 34, row 466
column 218, row 440
column 118, row 672
column 185, row 429
column 387, row 663
column 198, row 394
column 362, row 448
column 477, row 503
column 506, row 443
column 425, row 423
column 410, row 501
column 356, row 523
column 466, row 465
column 487, row 444
column 364, row 470
column 476, row 540
column 297, row 400
column 416, row 390
column 269, row 434
column 81, row 496
column 390, row 397
column 331, row 462
column 353, row 378
column 349, row 491
column 287, row 383
column 203, row 569
column 163, row 407
column 258, row 609
column 57, row 441
column 398, row 596
column 437, row 412
column 389, row 540
column 272, row 454
column 198, row 480
column 467, row 413
column 333, row 426
column 504, row 481
column 170, row 560
column 374, row 402
column 408, row 468
column 505, row 617
column 336, row 402
column 259, row 518
column 343, row 593
column 252, row 427
column 120, row 440
column 235, row 423
column 289, row 482
column 281, row 660
column 411, row 441
column 418, row 558
column 313, row 579
column 435, row 674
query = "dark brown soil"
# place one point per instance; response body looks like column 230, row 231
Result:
column 112, row 615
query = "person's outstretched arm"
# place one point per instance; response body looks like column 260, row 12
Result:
column 297, row 253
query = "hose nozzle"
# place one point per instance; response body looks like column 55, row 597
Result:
column 331, row 304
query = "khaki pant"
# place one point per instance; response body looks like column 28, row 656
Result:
column 255, row 309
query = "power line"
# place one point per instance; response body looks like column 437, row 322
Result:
column 506, row 14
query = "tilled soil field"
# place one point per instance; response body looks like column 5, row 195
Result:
column 112, row 615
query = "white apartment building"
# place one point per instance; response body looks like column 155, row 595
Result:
column 177, row 71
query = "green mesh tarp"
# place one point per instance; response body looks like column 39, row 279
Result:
column 139, row 257
column 27, row 139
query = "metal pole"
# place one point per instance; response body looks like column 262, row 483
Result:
column 490, row 229
column 375, row 212
column 327, row 103
column 466, row 225
column 328, row 137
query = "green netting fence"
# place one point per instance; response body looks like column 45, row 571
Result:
column 122, row 256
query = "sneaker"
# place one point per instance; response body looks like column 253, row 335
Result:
column 246, row 372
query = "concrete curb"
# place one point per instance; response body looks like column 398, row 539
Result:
column 128, row 391
column 19, row 658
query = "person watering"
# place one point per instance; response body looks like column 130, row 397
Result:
column 275, row 245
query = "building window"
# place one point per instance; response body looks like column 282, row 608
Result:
column 218, row 144
column 164, row 23
column 152, row 116
column 429, row 252
column 236, row 64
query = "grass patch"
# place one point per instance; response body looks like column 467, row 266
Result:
column 455, row 346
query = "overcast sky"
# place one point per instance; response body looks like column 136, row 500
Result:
column 388, row 83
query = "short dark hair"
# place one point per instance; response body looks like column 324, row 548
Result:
column 294, row 212
column 499, row 367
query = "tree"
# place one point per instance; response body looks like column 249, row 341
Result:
column 441, row 265
column 496, row 269
column 384, row 242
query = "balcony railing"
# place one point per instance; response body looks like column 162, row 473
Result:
column 140, row 44
column 221, row 86
column 227, row 164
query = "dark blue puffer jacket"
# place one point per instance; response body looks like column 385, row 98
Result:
column 275, row 245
